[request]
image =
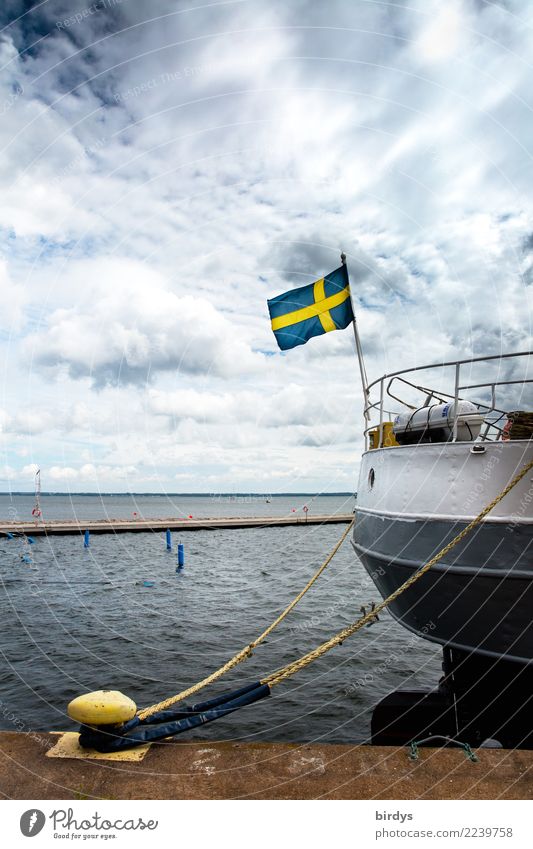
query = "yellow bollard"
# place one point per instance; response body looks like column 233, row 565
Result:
column 102, row 707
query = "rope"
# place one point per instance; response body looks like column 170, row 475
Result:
column 248, row 650
column 521, row 424
column 291, row 668
column 338, row 639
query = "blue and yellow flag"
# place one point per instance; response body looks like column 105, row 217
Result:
column 312, row 310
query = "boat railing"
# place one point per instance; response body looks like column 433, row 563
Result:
column 490, row 426
column 495, row 416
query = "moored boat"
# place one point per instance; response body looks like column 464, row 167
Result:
column 426, row 473
column 430, row 466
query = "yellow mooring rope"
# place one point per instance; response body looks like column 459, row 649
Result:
column 291, row 668
column 302, row 662
column 248, row 650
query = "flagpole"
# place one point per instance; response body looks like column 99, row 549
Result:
column 358, row 348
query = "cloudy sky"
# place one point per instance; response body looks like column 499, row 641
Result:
column 168, row 166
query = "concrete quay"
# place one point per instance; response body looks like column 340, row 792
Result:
column 207, row 770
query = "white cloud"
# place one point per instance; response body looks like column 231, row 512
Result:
column 126, row 327
column 444, row 33
column 141, row 236
column 89, row 473
column 12, row 298
column 61, row 473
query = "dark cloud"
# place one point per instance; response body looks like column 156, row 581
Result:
column 528, row 244
column 34, row 27
column 301, row 257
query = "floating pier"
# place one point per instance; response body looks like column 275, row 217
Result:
column 123, row 526
column 207, row 770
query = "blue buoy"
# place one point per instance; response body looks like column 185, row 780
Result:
column 181, row 555
column 31, row 540
column 25, row 558
column 148, row 583
column 169, row 540
column 86, row 539
column 9, row 535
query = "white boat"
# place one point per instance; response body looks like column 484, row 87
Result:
column 432, row 462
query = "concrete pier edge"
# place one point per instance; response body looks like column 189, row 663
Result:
column 230, row 770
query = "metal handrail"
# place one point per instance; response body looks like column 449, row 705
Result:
column 451, row 363
column 437, row 393
column 458, row 388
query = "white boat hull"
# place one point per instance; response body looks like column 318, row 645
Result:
column 414, row 499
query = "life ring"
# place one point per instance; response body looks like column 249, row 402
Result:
column 36, row 512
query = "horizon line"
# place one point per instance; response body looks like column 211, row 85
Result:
column 167, row 494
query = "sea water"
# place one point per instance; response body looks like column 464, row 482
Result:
column 79, row 619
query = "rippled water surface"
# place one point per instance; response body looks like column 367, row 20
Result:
column 80, row 619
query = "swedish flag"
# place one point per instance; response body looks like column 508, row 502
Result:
column 312, row 310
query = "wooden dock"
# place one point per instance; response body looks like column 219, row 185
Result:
column 128, row 526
